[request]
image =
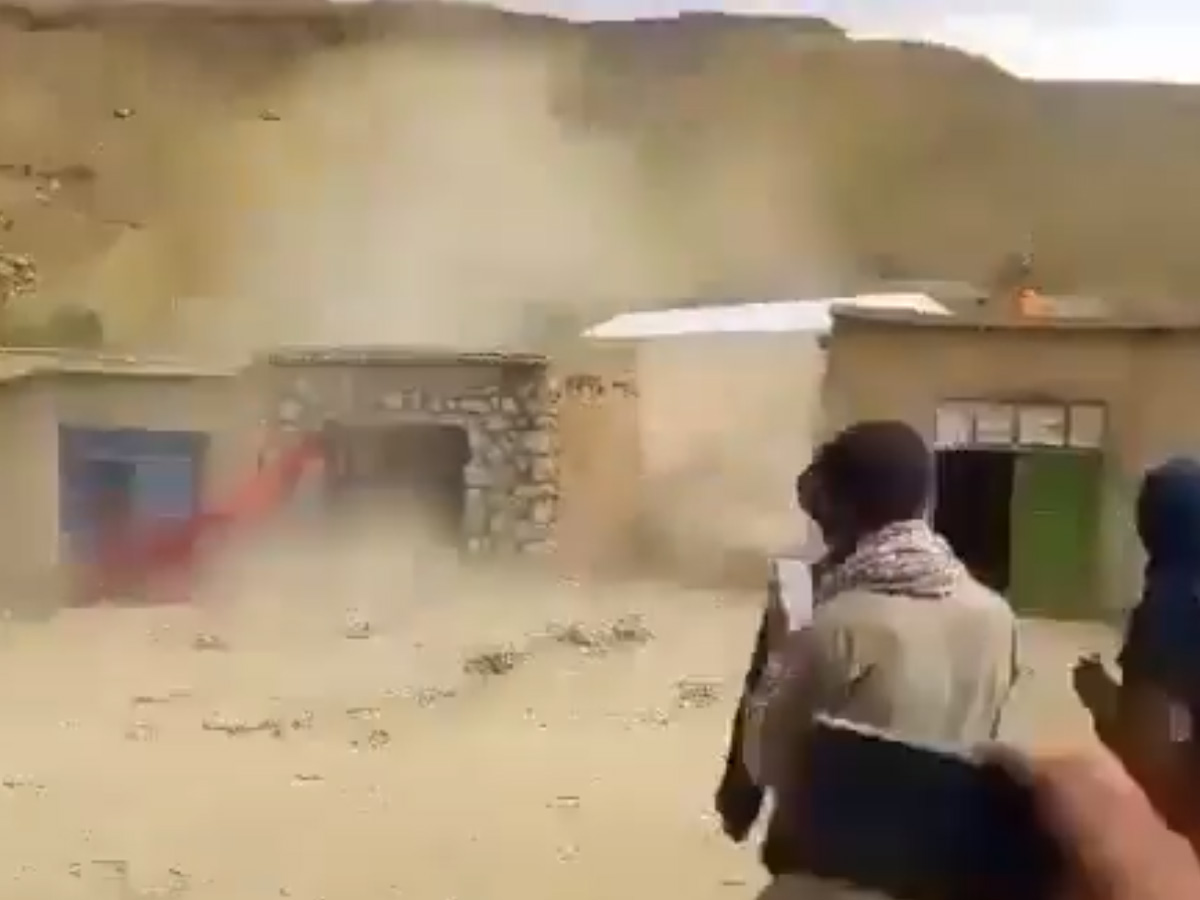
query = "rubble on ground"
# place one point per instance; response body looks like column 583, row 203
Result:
column 238, row 727
column 692, row 693
column 599, row 638
column 494, row 661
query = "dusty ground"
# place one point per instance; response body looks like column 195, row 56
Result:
column 372, row 765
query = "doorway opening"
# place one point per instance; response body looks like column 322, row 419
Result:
column 1026, row 523
column 412, row 474
column 974, row 494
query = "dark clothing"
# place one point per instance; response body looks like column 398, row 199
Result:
column 876, row 473
column 1162, row 641
column 739, row 799
column 1154, row 720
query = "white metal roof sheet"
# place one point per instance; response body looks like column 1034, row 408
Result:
column 803, row 316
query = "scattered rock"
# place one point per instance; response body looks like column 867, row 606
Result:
column 631, row 629
column 303, row 722
column 178, row 881
column 494, row 661
column 567, row 853
column 113, row 868
column 160, row 699
column 236, row 728
column 565, row 801
column 17, row 783
column 587, row 638
column 306, row 778
column 693, row 693
column 363, row 712
column 141, row 732
column 654, row 717
column 357, row 630
column 124, row 112
column 269, row 115
column 18, row 276
column 209, row 642
column 376, row 740
column 603, row 637
column 426, row 697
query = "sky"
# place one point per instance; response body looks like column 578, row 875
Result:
column 1128, row 40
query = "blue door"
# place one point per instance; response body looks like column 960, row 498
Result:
column 138, row 476
column 165, row 488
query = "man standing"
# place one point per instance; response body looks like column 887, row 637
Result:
column 902, row 639
column 1151, row 718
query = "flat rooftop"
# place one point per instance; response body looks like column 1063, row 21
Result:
column 18, row 363
column 981, row 320
column 384, row 355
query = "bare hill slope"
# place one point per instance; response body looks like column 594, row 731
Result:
column 434, row 173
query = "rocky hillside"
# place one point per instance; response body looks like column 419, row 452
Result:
column 429, row 173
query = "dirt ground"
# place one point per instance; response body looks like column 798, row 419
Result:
column 320, row 751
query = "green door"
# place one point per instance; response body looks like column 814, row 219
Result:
column 1055, row 535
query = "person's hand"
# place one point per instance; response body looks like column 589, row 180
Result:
column 1117, row 846
column 1093, row 685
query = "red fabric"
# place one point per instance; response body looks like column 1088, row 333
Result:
column 128, row 560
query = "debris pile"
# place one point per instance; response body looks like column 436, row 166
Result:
column 210, row 642
column 18, row 276
column 627, row 630
column 494, row 661
column 237, row 728
column 692, row 693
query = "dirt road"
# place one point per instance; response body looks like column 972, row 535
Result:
column 317, row 757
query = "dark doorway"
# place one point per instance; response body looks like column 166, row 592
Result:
column 410, row 471
column 974, row 511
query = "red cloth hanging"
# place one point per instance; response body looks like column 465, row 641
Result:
column 126, row 561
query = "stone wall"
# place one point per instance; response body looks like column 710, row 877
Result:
column 511, row 479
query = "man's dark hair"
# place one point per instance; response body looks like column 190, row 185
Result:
column 879, row 471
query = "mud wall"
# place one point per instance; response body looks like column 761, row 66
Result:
column 727, row 422
column 29, row 488
column 599, row 462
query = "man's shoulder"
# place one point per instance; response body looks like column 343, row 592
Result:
column 973, row 594
column 970, row 598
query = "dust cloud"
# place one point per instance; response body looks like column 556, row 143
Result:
column 414, row 175
column 426, row 195
column 348, row 710
column 728, row 422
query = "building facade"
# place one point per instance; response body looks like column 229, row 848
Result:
column 472, row 437
column 81, row 433
column 1043, row 430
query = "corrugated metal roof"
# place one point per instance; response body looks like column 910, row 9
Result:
column 802, row 316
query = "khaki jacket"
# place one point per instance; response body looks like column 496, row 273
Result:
column 925, row 670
